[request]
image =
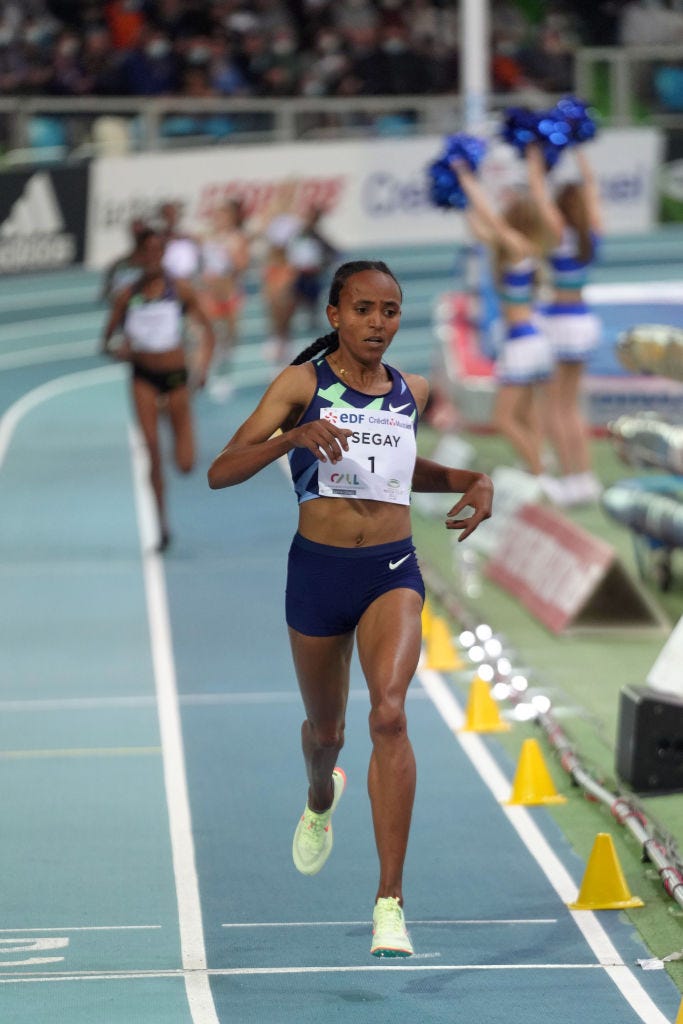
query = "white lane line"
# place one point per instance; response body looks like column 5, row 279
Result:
column 193, row 951
column 42, row 327
column 245, row 972
column 13, row 416
column 84, row 928
column 47, row 354
column 197, row 985
column 188, row 699
column 347, row 924
column 59, row 752
column 537, row 845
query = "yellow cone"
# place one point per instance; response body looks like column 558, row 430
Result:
column 441, row 653
column 604, row 886
column 679, row 1015
column 427, row 619
column 532, row 783
column 482, row 711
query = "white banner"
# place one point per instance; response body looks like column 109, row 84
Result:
column 376, row 193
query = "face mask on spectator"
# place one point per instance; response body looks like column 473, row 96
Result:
column 35, row 36
column 394, row 46
column 329, row 44
column 283, row 46
column 158, row 48
column 199, row 55
column 68, row 48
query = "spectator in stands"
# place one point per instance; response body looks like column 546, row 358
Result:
column 126, row 21
column 224, row 73
column 68, row 76
column 26, row 61
column 394, row 67
column 328, row 67
column 254, row 60
column 650, row 24
column 102, row 74
column 150, row 67
column 548, row 62
column 283, row 76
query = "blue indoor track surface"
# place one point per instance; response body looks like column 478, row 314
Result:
column 149, row 747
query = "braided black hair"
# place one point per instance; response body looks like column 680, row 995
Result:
column 330, row 342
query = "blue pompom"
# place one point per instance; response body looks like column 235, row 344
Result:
column 464, row 147
column 575, row 112
column 549, row 129
column 520, row 128
column 445, row 189
column 444, row 186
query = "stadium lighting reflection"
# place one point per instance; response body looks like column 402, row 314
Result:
column 524, row 712
column 493, row 647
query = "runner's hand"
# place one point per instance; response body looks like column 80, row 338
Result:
column 327, row 442
column 479, row 497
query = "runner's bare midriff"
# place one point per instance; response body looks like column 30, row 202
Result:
column 355, row 523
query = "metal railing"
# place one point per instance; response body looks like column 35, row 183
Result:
column 45, row 128
column 633, row 84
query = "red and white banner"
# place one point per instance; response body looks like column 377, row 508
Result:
column 553, row 566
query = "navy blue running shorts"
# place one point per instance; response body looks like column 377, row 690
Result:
column 329, row 588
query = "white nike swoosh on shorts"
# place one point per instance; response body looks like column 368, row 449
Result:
column 399, row 408
column 395, row 565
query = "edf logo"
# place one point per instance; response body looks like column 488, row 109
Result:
column 351, row 417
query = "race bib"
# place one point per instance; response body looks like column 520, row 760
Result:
column 380, row 462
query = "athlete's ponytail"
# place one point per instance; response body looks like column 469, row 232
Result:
column 328, row 343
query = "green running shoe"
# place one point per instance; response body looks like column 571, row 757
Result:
column 313, row 838
column 389, row 934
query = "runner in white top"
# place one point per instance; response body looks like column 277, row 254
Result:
column 149, row 315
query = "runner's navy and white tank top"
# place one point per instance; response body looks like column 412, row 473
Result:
column 380, row 462
column 154, row 325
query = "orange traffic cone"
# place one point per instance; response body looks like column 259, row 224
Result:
column 441, row 653
column 604, row 886
column 679, row 1015
column 482, row 711
column 532, row 783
